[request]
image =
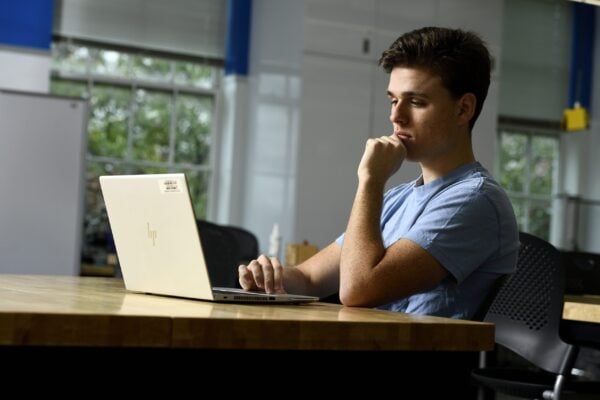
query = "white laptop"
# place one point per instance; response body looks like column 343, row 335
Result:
column 158, row 244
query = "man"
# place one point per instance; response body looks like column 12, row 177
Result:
column 432, row 246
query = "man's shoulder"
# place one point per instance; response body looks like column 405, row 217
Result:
column 401, row 189
column 477, row 182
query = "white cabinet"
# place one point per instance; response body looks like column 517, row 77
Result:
column 42, row 150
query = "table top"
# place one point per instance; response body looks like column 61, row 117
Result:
column 585, row 308
column 93, row 311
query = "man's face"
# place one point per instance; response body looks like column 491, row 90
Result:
column 424, row 115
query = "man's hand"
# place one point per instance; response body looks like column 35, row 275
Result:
column 383, row 156
column 264, row 274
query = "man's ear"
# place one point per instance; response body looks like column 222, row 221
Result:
column 466, row 108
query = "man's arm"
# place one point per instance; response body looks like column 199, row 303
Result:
column 370, row 274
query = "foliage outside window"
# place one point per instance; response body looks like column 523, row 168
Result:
column 148, row 114
column 527, row 166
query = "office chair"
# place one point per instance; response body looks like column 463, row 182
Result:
column 527, row 313
column 247, row 243
column 489, row 299
column 221, row 253
column 225, row 248
column 582, row 272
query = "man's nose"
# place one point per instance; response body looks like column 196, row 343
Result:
column 398, row 115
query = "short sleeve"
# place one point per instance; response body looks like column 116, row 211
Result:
column 459, row 227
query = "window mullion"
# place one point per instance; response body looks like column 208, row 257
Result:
column 172, row 127
column 527, row 182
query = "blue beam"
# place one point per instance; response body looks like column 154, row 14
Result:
column 582, row 52
column 237, row 46
column 26, row 23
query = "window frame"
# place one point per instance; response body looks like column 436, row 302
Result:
column 173, row 90
column 531, row 128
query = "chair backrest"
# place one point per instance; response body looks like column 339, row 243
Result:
column 221, row 252
column 489, row 299
column 225, row 247
column 247, row 243
column 582, row 272
column 528, row 308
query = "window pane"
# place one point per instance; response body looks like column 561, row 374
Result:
column 198, row 185
column 194, row 74
column 97, row 239
column 108, row 62
column 68, row 88
column 69, row 58
column 539, row 219
column 151, row 126
column 108, row 124
column 151, row 68
column 194, row 119
column 139, row 120
column 544, row 151
column 148, row 169
column 513, row 160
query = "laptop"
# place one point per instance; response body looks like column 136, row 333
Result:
column 158, row 243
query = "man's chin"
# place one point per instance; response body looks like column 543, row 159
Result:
column 410, row 157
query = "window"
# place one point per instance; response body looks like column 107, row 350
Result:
column 527, row 170
column 148, row 114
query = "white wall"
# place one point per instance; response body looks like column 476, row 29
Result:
column 536, row 64
column 23, row 69
column 274, row 108
column 179, row 26
column 589, row 218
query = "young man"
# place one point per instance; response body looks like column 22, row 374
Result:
column 432, row 246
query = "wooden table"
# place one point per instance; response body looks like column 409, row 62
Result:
column 59, row 329
column 91, row 311
column 581, row 320
column 584, row 308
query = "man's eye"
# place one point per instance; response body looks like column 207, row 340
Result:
column 417, row 103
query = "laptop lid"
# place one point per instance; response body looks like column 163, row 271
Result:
column 157, row 240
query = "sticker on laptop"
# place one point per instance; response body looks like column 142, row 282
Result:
column 169, row 185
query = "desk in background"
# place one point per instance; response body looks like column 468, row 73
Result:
column 581, row 320
column 584, row 308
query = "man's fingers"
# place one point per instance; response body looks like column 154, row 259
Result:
column 263, row 273
column 277, row 276
column 257, row 273
column 246, row 278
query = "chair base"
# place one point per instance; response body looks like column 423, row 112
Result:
column 529, row 384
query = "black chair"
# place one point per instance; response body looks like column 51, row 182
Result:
column 225, row 247
column 582, row 272
column 527, row 313
column 489, row 299
column 247, row 243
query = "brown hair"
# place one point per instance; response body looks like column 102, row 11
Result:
column 460, row 58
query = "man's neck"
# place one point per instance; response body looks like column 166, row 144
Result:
column 434, row 169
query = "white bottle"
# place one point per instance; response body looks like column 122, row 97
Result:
column 274, row 241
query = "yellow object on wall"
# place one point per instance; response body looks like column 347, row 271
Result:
column 575, row 119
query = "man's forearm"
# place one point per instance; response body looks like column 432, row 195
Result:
column 363, row 244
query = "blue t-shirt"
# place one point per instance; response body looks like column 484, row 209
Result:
column 464, row 220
